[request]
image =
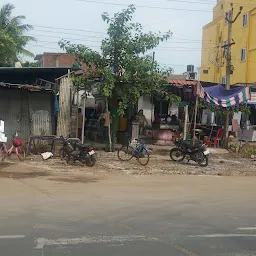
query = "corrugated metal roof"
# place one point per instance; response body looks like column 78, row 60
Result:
column 182, row 82
column 29, row 87
column 36, row 69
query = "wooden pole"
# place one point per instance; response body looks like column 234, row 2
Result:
column 77, row 99
column 83, row 119
column 185, row 123
column 194, row 129
column 152, row 104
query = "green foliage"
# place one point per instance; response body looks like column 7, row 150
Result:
column 30, row 64
column 248, row 149
column 222, row 111
column 125, row 71
column 12, row 36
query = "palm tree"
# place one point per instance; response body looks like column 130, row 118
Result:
column 12, row 36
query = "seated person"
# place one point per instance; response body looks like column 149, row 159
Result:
column 168, row 119
column 174, row 120
column 157, row 119
column 142, row 121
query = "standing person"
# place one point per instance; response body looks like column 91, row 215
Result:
column 142, row 121
column 80, row 123
column 107, row 120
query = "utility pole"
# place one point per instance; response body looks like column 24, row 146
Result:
column 152, row 98
column 227, row 48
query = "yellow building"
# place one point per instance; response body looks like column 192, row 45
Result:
column 215, row 35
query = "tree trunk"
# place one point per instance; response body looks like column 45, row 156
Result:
column 112, row 105
column 109, row 129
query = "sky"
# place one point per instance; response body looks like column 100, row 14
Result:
column 79, row 21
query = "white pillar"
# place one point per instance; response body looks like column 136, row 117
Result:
column 185, row 123
column 83, row 120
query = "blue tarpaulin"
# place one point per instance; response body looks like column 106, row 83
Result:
column 219, row 96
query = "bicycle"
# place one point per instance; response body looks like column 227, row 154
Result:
column 16, row 147
column 140, row 152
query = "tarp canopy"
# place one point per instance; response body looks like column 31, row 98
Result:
column 217, row 95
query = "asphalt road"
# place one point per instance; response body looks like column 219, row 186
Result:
column 128, row 215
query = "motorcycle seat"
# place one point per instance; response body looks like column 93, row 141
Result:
column 188, row 145
column 83, row 146
column 74, row 153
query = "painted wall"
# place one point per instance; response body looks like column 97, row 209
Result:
column 173, row 109
column 145, row 104
column 213, row 64
column 27, row 113
column 90, row 101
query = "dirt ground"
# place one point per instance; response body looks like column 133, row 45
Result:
column 108, row 164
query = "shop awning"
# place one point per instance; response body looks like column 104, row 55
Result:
column 182, row 88
column 217, row 95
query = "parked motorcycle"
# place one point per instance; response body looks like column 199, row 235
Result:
column 73, row 151
column 184, row 149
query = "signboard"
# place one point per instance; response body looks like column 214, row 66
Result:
column 183, row 103
column 235, row 125
column 253, row 96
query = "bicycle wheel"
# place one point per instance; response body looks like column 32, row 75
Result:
column 125, row 153
column 143, row 157
column 2, row 155
column 21, row 153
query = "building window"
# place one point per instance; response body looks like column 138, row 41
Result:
column 245, row 19
column 227, row 17
column 243, row 54
column 223, row 80
column 222, row 6
column 205, row 71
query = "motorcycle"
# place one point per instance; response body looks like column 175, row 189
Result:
column 184, row 149
column 73, row 151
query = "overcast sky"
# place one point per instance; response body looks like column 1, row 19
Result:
column 80, row 21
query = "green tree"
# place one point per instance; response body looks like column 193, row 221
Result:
column 30, row 64
column 12, row 36
column 126, row 72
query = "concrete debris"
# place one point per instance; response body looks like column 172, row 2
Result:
column 47, row 155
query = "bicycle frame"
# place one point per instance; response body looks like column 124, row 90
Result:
column 6, row 151
column 139, row 147
column 138, row 151
column 10, row 150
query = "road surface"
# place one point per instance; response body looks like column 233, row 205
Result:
column 128, row 215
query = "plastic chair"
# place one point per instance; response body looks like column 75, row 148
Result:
column 218, row 138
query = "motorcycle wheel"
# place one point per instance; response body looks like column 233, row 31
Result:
column 70, row 160
column 62, row 154
column 177, row 155
column 90, row 161
column 203, row 161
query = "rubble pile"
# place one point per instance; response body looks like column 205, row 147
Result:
column 248, row 150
